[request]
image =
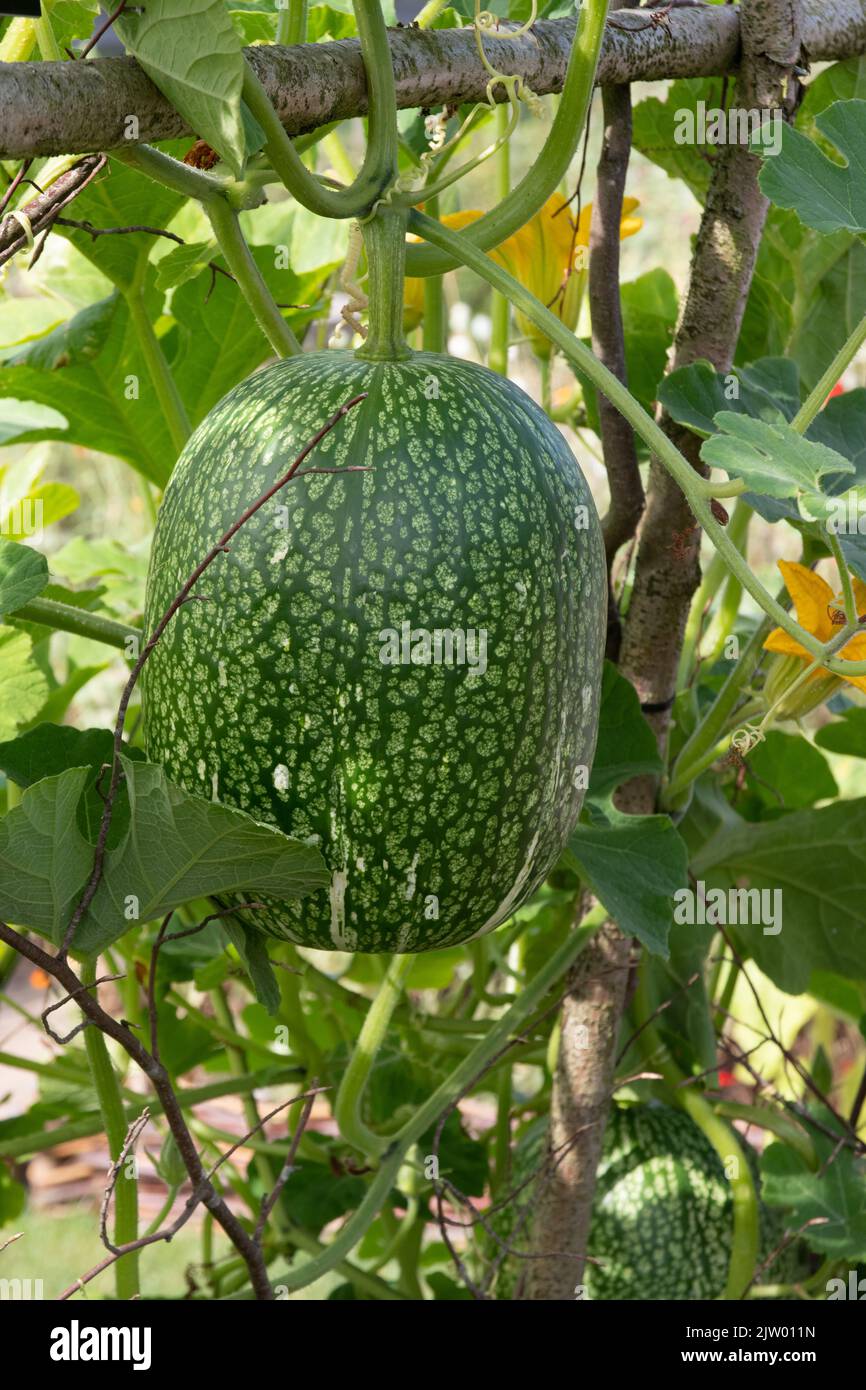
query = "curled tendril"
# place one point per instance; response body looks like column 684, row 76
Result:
column 357, row 298
column 747, row 738
column 515, row 87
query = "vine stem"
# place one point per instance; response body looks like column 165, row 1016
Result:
column 445, row 1095
column 111, row 1106
column 462, row 249
column 212, row 194
column 550, row 166
column 430, row 13
column 710, row 583
column 163, row 382
column 500, row 309
column 19, row 41
column 435, row 327
column 64, row 617
column 347, row 1110
column 240, row 261
column 380, row 159
column 818, row 395
column 849, row 600
column 292, row 22
column 777, row 1122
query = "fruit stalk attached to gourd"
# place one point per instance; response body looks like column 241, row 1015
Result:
column 400, row 664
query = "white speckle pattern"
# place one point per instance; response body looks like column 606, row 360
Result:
column 281, row 777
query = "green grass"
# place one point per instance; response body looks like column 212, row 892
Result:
column 58, row 1246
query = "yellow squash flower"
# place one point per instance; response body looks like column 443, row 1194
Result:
column 547, row 255
column 820, row 611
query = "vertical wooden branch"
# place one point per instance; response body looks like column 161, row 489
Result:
column 666, row 576
column 608, row 339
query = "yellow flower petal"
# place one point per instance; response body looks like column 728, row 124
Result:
column 780, row 641
column 545, row 255
column 855, row 650
column 812, row 597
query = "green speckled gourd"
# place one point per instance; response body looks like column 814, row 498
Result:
column 662, row 1217
column 440, row 793
column 400, row 664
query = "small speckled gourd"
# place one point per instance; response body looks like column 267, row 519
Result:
column 662, row 1218
column 401, row 665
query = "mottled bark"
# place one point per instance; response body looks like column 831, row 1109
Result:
column 666, row 575
column 62, row 108
column 579, row 1103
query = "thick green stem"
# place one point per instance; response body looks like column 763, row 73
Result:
column 435, row 327
column 211, row 193
column 848, row 598
column 430, row 13
column 385, row 242
column 380, row 161
column 713, row 578
column 64, row 617
column 500, row 309
column 163, row 382
column 818, row 395
column 548, row 169
column 111, row 1107
column 292, row 22
column 744, row 1242
column 19, row 41
column 347, row 1109
column 181, row 178
column 240, row 262
column 709, row 731
column 506, row 1028
column 461, row 248
column 774, row 1122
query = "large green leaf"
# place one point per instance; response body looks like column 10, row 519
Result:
column 817, row 860
column 786, row 771
column 192, row 52
column 217, row 341
column 656, row 125
column 846, row 735
column 93, row 364
column 121, row 197
column 634, row 864
column 23, row 684
column 774, row 459
column 49, row 749
column 834, row 1197
column 626, row 745
column 176, row 848
column 827, row 195
column 808, row 293
column 23, row 575
column 20, row 417
column 695, row 395
column 44, row 859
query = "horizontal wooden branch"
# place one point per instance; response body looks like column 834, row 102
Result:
column 75, row 108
